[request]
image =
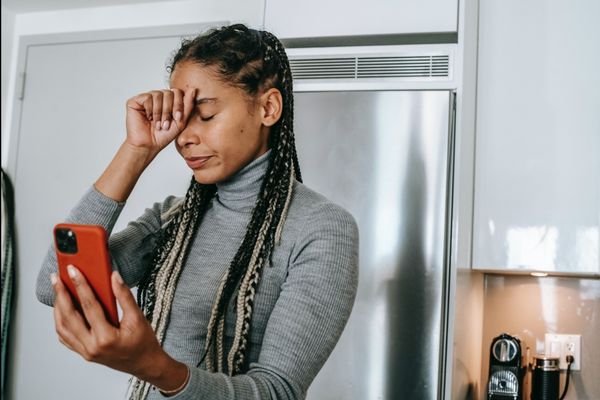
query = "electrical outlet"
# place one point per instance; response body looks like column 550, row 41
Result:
column 563, row 345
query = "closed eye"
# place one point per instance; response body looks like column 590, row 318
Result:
column 207, row 118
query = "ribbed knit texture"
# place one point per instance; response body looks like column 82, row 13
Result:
column 302, row 303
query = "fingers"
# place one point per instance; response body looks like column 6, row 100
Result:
column 125, row 298
column 157, row 103
column 163, row 106
column 177, row 105
column 92, row 309
column 69, row 324
column 188, row 103
column 167, row 109
column 65, row 343
column 68, row 339
column 142, row 102
column 172, row 109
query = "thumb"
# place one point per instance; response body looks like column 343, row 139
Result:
column 124, row 295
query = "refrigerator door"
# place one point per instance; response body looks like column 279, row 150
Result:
column 384, row 156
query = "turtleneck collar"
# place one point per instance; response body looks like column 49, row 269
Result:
column 241, row 190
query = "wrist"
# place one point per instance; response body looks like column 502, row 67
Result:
column 141, row 156
column 121, row 175
column 182, row 385
column 167, row 374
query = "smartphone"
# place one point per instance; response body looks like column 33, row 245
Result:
column 86, row 247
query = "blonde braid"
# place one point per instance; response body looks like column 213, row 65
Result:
column 220, row 344
column 285, row 208
column 244, row 311
column 212, row 321
column 170, row 290
column 166, row 271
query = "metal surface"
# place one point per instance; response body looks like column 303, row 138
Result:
column 504, row 383
column 504, row 350
column 384, row 157
column 445, row 82
column 545, row 363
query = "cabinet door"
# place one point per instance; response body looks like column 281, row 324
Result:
column 537, row 186
column 313, row 18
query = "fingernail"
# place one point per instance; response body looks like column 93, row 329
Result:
column 53, row 278
column 72, row 271
column 178, row 116
column 118, row 277
column 158, row 125
column 165, row 125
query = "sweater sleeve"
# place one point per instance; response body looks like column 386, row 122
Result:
column 307, row 320
column 138, row 238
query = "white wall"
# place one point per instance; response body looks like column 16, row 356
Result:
column 165, row 13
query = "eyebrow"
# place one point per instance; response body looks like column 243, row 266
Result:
column 202, row 100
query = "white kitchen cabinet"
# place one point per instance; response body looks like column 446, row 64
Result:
column 313, row 18
column 537, row 179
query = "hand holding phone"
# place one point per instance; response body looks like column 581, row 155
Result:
column 86, row 248
column 130, row 347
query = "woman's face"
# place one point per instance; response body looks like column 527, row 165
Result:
column 220, row 126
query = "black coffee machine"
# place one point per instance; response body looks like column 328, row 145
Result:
column 506, row 370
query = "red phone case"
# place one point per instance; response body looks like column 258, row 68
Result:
column 93, row 260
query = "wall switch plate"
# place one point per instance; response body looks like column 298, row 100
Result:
column 563, row 345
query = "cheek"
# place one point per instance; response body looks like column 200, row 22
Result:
column 247, row 131
column 229, row 132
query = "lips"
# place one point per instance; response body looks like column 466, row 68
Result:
column 196, row 162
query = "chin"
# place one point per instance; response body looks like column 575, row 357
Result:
column 205, row 179
column 209, row 176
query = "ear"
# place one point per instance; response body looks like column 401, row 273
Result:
column 271, row 106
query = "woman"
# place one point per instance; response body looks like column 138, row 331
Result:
column 246, row 283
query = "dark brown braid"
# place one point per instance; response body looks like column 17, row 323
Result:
column 253, row 61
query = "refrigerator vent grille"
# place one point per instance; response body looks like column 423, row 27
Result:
column 418, row 66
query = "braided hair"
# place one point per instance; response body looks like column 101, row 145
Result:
column 253, row 61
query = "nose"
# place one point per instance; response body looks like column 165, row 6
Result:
column 187, row 137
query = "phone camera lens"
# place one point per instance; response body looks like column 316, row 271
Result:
column 66, row 241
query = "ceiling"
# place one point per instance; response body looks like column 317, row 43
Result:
column 24, row 6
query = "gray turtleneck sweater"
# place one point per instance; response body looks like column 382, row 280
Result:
column 302, row 303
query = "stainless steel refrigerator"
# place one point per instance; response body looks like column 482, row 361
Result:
column 386, row 157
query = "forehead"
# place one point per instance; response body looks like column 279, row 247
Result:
column 188, row 75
